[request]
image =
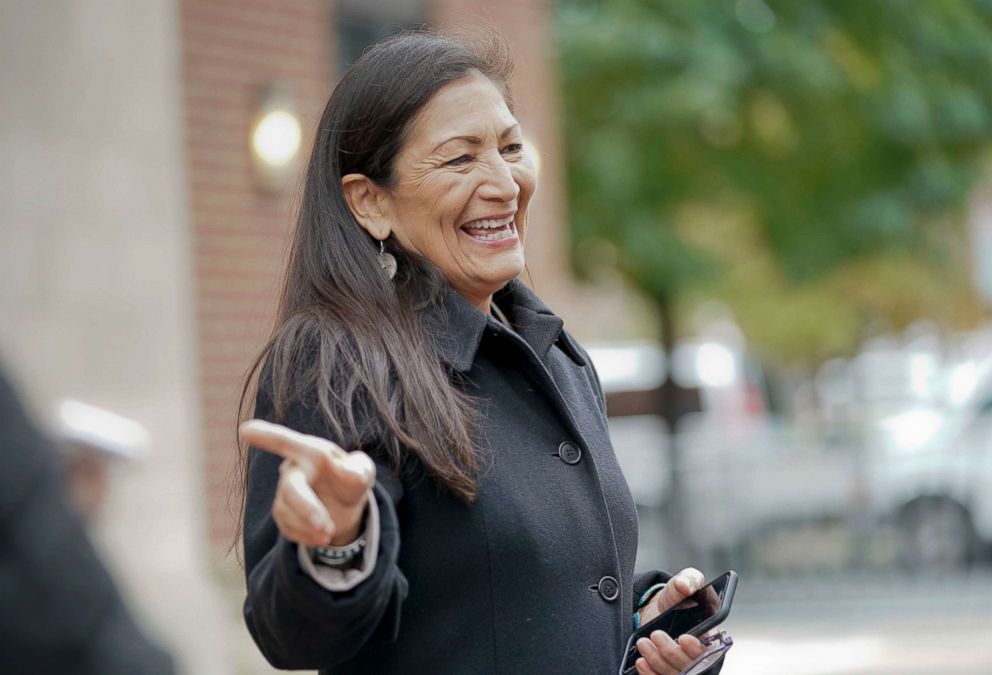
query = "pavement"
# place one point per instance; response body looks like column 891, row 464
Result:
column 863, row 625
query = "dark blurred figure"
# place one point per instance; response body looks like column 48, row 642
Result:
column 60, row 611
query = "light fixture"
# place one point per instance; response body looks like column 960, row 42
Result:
column 275, row 140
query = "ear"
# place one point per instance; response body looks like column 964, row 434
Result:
column 368, row 202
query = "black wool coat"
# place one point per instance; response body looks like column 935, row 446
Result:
column 536, row 577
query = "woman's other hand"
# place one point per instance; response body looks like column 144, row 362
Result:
column 661, row 655
column 322, row 491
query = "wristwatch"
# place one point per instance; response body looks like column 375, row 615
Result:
column 339, row 556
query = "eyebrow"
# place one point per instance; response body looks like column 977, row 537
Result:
column 475, row 140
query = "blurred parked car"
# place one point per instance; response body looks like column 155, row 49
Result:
column 744, row 476
column 928, row 472
column 745, row 483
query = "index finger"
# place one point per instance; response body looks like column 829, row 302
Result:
column 691, row 645
column 285, row 442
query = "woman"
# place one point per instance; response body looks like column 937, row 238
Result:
column 479, row 522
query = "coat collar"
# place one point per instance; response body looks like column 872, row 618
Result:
column 461, row 327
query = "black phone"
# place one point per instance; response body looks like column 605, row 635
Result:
column 705, row 609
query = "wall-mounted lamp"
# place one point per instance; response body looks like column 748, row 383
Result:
column 275, row 140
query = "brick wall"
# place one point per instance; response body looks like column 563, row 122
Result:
column 231, row 50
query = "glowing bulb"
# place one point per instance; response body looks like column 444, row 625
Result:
column 276, row 138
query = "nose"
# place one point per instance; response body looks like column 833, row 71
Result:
column 499, row 184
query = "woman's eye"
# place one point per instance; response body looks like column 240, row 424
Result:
column 464, row 159
column 514, row 148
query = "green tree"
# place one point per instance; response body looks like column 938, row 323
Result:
column 805, row 162
column 796, row 159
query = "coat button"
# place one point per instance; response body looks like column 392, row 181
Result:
column 609, row 589
column 569, row 452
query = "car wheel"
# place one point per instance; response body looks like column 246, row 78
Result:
column 937, row 535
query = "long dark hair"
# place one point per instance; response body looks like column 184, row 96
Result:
column 346, row 338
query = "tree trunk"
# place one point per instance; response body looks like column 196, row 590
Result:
column 678, row 546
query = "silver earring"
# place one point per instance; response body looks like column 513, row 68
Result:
column 387, row 261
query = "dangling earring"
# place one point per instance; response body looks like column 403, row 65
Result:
column 387, row 261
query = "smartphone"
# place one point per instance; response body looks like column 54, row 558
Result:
column 701, row 611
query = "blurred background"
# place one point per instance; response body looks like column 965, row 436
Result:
column 770, row 222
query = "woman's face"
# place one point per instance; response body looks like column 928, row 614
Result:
column 462, row 184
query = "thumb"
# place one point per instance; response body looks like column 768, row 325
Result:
column 679, row 587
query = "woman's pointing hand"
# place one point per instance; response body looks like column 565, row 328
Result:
column 322, row 491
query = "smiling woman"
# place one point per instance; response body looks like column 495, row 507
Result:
column 435, row 401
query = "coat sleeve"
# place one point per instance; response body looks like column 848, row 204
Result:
column 296, row 623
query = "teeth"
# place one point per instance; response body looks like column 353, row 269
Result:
column 502, row 228
column 490, row 224
column 493, row 236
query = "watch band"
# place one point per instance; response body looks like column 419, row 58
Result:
column 338, row 556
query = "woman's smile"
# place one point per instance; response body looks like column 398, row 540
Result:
column 493, row 231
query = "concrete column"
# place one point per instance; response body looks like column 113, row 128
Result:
column 96, row 284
